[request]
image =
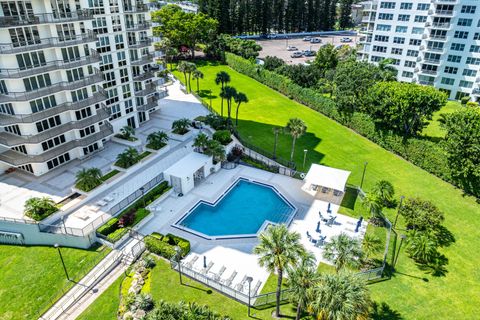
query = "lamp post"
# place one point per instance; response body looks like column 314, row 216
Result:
column 56, row 245
column 143, row 195
column 275, row 132
column 304, row 157
column 398, row 211
column 179, row 252
column 363, row 174
column 249, row 280
column 402, row 237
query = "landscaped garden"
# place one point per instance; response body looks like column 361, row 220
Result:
column 32, row 277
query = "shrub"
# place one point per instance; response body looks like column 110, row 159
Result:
column 109, row 227
column 216, row 122
column 149, row 262
column 223, row 136
column 472, row 104
column 39, row 208
column 127, row 219
column 464, row 100
column 144, row 302
column 184, row 244
column 157, row 246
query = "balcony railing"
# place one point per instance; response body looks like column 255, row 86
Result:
column 444, row 12
column 16, row 158
column 10, row 139
column 151, row 103
column 430, row 72
column 37, row 44
column 6, row 119
column 54, row 88
column 140, row 44
column 139, row 26
column 40, row 18
column 441, row 25
column 426, row 83
column 435, row 61
column 136, row 8
column 146, row 59
column 149, row 89
column 50, row 66
column 144, row 76
column 434, row 49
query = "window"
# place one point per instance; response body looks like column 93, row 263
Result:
column 103, row 44
column 51, row 143
column 128, row 106
column 453, row 58
column 385, row 16
column 91, row 148
column 112, row 95
column 416, row 30
column 38, row 82
column 26, row 167
column 87, row 131
column 410, row 64
column 451, row 70
column 55, row 162
column 401, row 29
column 423, row 6
column 115, row 112
column 6, row 108
column 468, row 9
column 407, row 74
column 110, row 79
column 383, row 27
column 48, row 123
column 397, row 51
column 476, row 36
column 30, row 60
column 461, row 34
column 80, row 94
column 464, row 22
column 70, row 54
column 121, row 57
column 43, row 103
column 465, row 84
column 381, row 38
column 420, row 18
column 403, row 17
column 376, row 59
column 126, row 91
column 415, row 42
column 25, row 36
column 474, row 61
column 412, row 53
column 379, row 49
column 83, row 113
column 124, row 75
column 387, row 5
column 457, row 47
column 474, row 48
column 75, row 75
column 447, row 81
column 469, row 73
column 15, row 129
column 100, row 25
column 399, row 40
column 406, row 6
column 119, row 43
column 20, row 148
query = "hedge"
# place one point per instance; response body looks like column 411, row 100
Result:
column 164, row 245
column 424, row 153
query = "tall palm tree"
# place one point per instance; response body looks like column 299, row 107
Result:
column 301, row 278
column 222, row 78
column 87, row 179
column 157, row 140
column 201, row 142
column 341, row 296
column 279, row 249
column 228, row 93
column 38, row 208
column 216, row 150
column 191, row 67
column 296, row 127
column 343, row 251
column 197, row 74
column 239, row 98
column 183, row 68
column 384, row 190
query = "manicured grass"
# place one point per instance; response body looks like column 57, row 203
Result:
column 434, row 129
column 411, row 292
column 109, row 175
column 31, row 278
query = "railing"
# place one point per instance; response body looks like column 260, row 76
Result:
column 55, row 17
column 140, row 43
column 50, row 65
column 432, row 72
column 15, row 220
column 431, row 60
column 144, row 76
column 434, row 49
column 139, row 26
column 443, row 25
column 142, row 60
column 444, row 12
column 150, row 104
column 149, row 89
column 441, row 38
column 136, row 8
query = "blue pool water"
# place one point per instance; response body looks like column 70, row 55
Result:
column 242, row 211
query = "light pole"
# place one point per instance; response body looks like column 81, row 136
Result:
column 402, row 237
column 398, row 211
column 304, row 157
column 56, row 245
column 143, row 195
column 275, row 132
column 249, row 280
column 179, row 252
column 363, row 174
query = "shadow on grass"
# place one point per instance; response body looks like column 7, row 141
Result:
column 191, row 286
column 383, row 311
column 350, row 198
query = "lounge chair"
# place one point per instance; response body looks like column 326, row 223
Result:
column 240, row 285
column 254, row 290
column 190, row 263
column 217, row 275
column 229, row 281
column 108, row 199
column 209, row 266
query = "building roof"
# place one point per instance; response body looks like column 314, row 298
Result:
column 327, row 177
column 188, row 165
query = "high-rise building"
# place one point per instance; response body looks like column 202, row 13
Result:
column 72, row 72
column 433, row 42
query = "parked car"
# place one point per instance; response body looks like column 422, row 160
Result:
column 296, row 54
column 346, row 39
column 271, row 36
column 309, row 53
column 315, row 40
column 292, row 48
column 307, row 38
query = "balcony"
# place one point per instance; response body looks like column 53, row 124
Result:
column 136, row 8
column 15, row 158
column 434, row 61
column 41, row 18
column 434, row 49
column 151, row 103
column 144, row 76
column 444, row 12
column 149, row 89
column 139, row 26
column 437, row 37
column 440, row 25
column 52, row 89
column 9, row 139
column 147, row 59
column 140, row 44
column 429, row 72
column 37, row 44
column 94, row 57
column 7, row 119
column 444, row 1
column 426, row 83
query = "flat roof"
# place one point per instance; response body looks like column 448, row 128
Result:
column 188, row 165
column 327, row 177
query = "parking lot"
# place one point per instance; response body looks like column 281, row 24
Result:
column 278, row 47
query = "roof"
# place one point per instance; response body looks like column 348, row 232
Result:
column 327, row 177
column 188, row 165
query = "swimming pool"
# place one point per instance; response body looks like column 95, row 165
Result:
column 245, row 209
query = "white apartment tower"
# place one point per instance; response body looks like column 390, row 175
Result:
column 433, row 42
column 72, row 72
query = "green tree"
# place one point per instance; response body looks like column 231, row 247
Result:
column 165, row 45
column 387, row 70
column 296, row 128
column 183, row 67
column 222, row 78
column 342, row 296
column 371, row 245
column 39, row 208
column 127, row 132
column 191, row 67
column 384, row 191
column 271, row 63
column 181, row 126
column 239, row 98
column 462, row 141
column 201, row 142
column 88, row 179
column 127, row 158
column 343, row 251
column 301, row 279
column 216, row 150
column 228, row 93
column 156, row 140
column 345, row 20
column 421, row 215
column 421, row 246
column 278, row 250
column 326, row 58
column 197, row 75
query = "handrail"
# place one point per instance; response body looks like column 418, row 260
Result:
column 140, row 7
column 37, row 18
column 139, row 26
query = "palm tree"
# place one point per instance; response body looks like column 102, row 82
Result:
column 197, row 74
column 183, row 68
column 127, row 132
column 239, row 98
column 343, row 251
column 341, row 296
column 181, row 126
column 296, row 127
column 421, row 246
column 384, row 190
column 88, row 179
column 216, row 150
column 127, row 158
column 279, row 249
column 301, row 278
column 222, row 78
column 201, row 142
column 157, row 140
column 371, row 245
column 191, row 67
column 387, row 71
column 228, row 93
column 39, row 208
column 373, row 204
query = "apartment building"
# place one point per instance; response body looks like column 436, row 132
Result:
column 433, row 42
column 72, row 73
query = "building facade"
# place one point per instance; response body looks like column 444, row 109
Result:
column 72, row 73
column 431, row 42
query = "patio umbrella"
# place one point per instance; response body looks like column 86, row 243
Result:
column 318, row 226
column 328, row 209
column 205, row 262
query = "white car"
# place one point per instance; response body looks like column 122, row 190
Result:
column 296, row 54
column 307, row 38
column 315, row 40
column 292, row 48
column 346, row 39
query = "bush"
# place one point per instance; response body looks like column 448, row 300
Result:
column 157, row 246
column 127, row 219
column 465, row 99
column 223, row 136
column 174, row 240
column 109, row 227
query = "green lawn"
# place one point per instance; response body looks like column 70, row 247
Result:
column 434, row 129
column 32, row 277
column 411, row 292
column 105, row 307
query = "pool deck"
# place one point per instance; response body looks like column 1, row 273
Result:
column 235, row 255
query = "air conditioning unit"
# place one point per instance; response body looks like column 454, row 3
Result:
column 416, row 70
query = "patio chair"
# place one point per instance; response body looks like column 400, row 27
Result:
column 229, row 281
column 190, row 263
column 240, row 285
column 209, row 266
column 108, row 199
column 255, row 289
column 218, row 275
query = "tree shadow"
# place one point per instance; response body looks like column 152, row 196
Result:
column 349, row 198
column 383, row 311
column 207, row 94
column 437, row 267
column 444, row 236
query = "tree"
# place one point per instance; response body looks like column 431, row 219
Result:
column 197, row 74
column 39, row 208
column 181, row 126
column 191, row 67
column 157, row 140
column 278, row 250
column 373, row 204
column 239, row 98
column 387, row 71
column 421, row 246
column 403, row 107
column 272, row 63
column 88, row 179
column 127, row 132
column 169, row 51
column 201, row 142
column 371, row 245
column 222, row 78
column 343, row 251
column 462, row 141
column 216, row 150
column 326, row 58
column 345, row 20
column 296, row 128
column 301, row 279
column 421, row 215
column 228, row 93
column 127, row 158
column 384, row 191
column 183, row 68
column 341, row 296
